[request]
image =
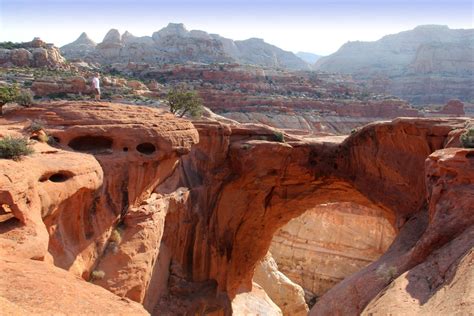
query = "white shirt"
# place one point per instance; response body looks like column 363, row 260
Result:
column 95, row 83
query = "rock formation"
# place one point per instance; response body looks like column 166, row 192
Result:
column 430, row 64
column 129, row 201
column 32, row 54
column 175, row 44
column 287, row 295
column 31, row 287
column 134, row 150
column 79, row 48
column 255, row 302
column 323, row 246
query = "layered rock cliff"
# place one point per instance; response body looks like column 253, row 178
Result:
column 175, row 44
column 186, row 237
column 326, row 244
column 429, row 64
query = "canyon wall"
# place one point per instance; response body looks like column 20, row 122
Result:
column 320, row 248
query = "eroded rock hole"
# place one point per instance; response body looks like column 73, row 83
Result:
column 92, row 144
column 56, row 177
column 146, row 148
column 125, row 149
column 470, row 155
column 6, row 213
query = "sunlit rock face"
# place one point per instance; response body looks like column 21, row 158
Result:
column 324, row 245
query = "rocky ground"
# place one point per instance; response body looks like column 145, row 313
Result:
column 175, row 215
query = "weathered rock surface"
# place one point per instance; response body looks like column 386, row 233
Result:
column 301, row 174
column 320, row 248
column 31, row 287
column 288, row 296
column 67, row 200
column 444, row 282
column 80, row 47
column 255, row 302
column 175, row 44
column 32, row 54
column 243, row 184
column 429, row 64
column 429, row 250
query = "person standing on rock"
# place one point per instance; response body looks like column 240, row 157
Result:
column 96, row 86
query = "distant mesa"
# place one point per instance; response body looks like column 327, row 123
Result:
column 175, row 44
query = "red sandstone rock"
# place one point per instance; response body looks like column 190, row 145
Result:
column 30, row 287
column 243, row 185
column 121, row 154
column 453, row 107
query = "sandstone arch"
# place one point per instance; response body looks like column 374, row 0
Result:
column 243, row 189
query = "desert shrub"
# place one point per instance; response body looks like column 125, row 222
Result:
column 182, row 101
column 116, row 236
column 36, row 126
column 14, row 147
column 97, row 275
column 8, row 93
column 10, row 45
column 386, row 273
column 467, row 138
column 279, row 137
column 24, row 98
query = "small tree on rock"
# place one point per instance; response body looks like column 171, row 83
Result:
column 8, row 93
column 183, row 101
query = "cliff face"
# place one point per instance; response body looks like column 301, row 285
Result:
column 175, row 44
column 430, row 64
column 304, row 101
column 320, row 248
column 187, row 237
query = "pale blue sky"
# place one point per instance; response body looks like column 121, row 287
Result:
column 318, row 26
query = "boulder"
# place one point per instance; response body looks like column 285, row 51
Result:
column 283, row 292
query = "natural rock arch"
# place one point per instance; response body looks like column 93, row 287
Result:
column 243, row 189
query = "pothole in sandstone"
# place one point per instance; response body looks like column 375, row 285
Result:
column 326, row 244
column 146, row 148
column 92, row 144
column 57, row 177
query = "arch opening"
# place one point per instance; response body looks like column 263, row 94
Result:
column 329, row 242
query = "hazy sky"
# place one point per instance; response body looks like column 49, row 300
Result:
column 318, row 26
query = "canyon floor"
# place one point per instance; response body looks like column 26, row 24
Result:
column 131, row 210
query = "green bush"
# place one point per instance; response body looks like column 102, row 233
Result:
column 8, row 94
column 182, row 101
column 14, row 147
column 467, row 138
column 24, row 98
column 279, row 137
column 10, row 45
